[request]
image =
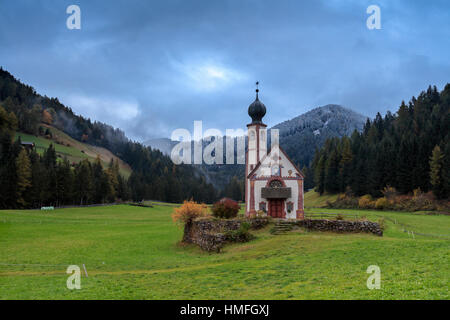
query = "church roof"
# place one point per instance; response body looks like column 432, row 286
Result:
column 267, row 155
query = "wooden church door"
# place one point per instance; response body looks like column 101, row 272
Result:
column 276, row 208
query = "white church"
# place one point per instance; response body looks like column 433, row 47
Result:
column 273, row 183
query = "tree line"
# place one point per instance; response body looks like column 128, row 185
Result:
column 407, row 150
column 31, row 180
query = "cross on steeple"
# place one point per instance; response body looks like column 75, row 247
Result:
column 257, row 89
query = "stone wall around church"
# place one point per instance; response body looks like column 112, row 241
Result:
column 341, row 226
column 211, row 234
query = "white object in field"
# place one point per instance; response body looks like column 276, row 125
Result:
column 85, row 271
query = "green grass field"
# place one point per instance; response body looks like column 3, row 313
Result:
column 315, row 200
column 42, row 144
column 134, row 253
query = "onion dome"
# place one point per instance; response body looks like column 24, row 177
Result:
column 257, row 109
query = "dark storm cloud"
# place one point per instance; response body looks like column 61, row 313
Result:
column 150, row 67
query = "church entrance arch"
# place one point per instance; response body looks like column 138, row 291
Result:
column 276, row 205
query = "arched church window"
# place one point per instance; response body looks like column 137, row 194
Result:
column 262, row 136
column 276, row 184
column 252, row 135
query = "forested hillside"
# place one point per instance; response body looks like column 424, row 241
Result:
column 302, row 135
column 22, row 170
column 406, row 151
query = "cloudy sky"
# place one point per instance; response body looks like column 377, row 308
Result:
column 150, row 67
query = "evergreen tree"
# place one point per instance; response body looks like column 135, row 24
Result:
column 23, row 171
column 358, row 183
column 98, row 183
column 113, row 176
column 332, row 183
column 8, row 174
column 319, row 175
column 49, row 157
column 50, row 183
column 446, row 168
column 83, row 182
column 65, row 183
column 405, row 166
column 123, row 192
column 309, row 178
column 38, row 177
column 436, row 172
column 345, row 165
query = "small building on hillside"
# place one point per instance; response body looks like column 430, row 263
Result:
column 28, row 145
column 273, row 183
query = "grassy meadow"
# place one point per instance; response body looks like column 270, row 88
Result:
column 314, row 200
column 134, row 253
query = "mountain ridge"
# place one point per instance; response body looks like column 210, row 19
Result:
column 299, row 137
column 324, row 112
column 338, row 119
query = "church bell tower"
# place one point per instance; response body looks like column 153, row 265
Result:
column 257, row 132
column 257, row 144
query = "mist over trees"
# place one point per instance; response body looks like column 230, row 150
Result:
column 406, row 150
column 30, row 180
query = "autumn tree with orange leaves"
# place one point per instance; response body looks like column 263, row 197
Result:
column 185, row 214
